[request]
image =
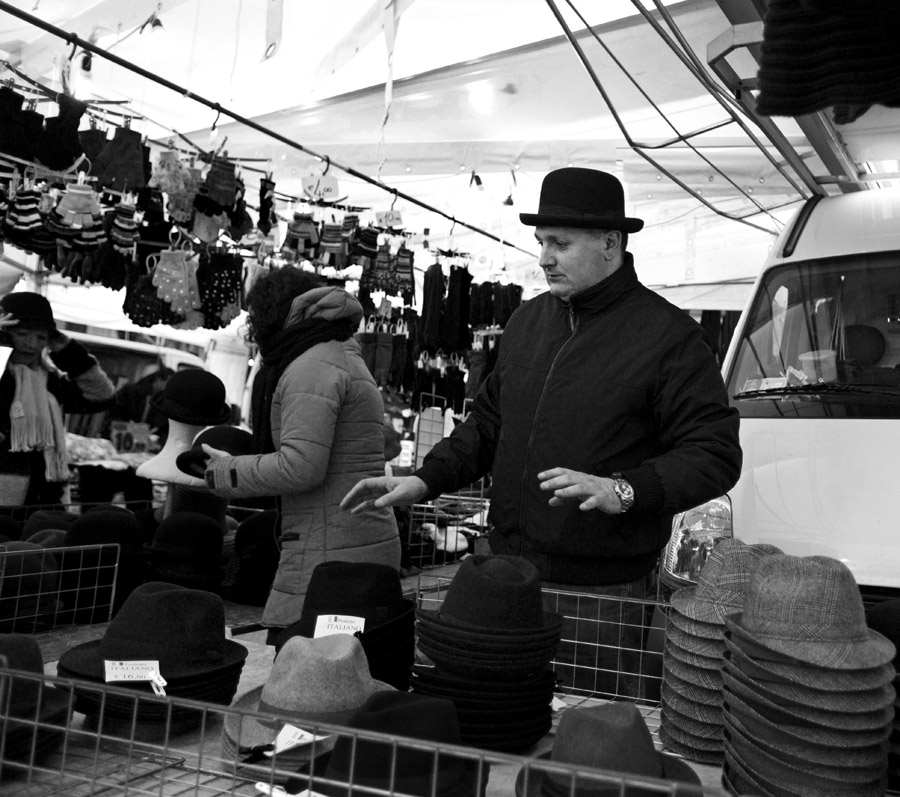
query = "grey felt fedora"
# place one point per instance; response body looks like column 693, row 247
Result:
column 810, row 608
column 722, row 582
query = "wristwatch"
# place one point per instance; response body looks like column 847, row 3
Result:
column 625, row 492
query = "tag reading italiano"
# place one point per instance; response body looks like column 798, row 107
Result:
column 327, row 624
column 133, row 670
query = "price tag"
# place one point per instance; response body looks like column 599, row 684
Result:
column 327, row 624
column 389, row 218
column 130, row 437
column 290, row 737
column 133, row 670
column 320, row 186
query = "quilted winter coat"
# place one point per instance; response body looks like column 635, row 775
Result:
column 327, row 426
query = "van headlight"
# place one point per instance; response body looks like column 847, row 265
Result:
column 694, row 534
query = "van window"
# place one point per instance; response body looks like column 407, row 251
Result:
column 822, row 340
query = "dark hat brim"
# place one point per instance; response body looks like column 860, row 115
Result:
column 86, row 661
column 189, row 415
column 551, row 625
column 621, row 223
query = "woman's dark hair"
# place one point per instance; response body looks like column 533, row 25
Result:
column 269, row 299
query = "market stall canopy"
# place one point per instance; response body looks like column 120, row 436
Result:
column 461, row 106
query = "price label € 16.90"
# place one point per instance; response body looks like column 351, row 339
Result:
column 129, row 437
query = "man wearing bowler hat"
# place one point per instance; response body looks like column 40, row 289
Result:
column 604, row 415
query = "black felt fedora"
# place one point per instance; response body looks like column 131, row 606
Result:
column 612, row 737
column 193, row 396
column 586, row 198
column 231, row 439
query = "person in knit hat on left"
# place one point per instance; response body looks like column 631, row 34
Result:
column 47, row 374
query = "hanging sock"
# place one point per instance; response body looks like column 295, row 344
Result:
column 10, row 121
column 267, row 218
column 59, row 147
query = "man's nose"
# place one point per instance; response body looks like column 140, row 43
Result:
column 544, row 259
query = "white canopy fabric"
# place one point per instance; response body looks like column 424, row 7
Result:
column 475, row 87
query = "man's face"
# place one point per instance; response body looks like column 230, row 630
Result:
column 574, row 259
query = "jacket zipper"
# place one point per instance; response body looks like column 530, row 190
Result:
column 573, row 326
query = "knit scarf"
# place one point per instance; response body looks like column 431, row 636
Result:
column 36, row 421
column 277, row 352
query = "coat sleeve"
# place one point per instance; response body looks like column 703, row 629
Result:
column 467, row 454
column 699, row 433
column 310, row 394
column 86, row 387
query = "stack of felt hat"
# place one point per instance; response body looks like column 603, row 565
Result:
column 613, row 739
column 187, row 550
column 257, row 550
column 488, row 648
column 97, row 580
column 369, row 594
column 808, row 687
column 312, row 682
column 33, row 714
column 691, row 691
column 29, row 587
column 884, row 617
column 399, row 746
column 180, row 629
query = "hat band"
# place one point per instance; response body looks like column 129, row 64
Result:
column 565, row 210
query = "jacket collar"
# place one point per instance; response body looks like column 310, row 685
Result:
column 607, row 291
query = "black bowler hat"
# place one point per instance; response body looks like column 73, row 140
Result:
column 586, row 198
column 231, row 439
column 193, row 396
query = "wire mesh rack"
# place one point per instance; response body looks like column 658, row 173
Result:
column 66, row 752
column 44, row 588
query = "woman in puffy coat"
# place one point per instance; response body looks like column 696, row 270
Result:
column 317, row 418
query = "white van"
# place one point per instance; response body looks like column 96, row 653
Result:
column 814, row 368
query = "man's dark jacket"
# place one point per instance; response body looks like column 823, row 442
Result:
column 617, row 380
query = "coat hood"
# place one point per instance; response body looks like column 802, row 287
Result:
column 327, row 304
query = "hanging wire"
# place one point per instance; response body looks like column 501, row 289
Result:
column 72, row 38
column 638, row 147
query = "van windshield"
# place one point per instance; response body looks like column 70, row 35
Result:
column 822, row 340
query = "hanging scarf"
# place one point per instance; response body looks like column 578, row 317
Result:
column 36, row 421
column 277, row 352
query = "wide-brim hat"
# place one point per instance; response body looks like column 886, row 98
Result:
column 691, row 658
column 694, row 627
column 777, row 743
column 195, row 397
column 613, row 738
column 107, row 526
column 814, row 718
column 30, row 707
column 796, row 772
column 500, row 595
column 481, row 695
column 312, row 681
column 689, row 706
column 191, row 539
column 711, row 648
column 722, row 582
column 586, row 198
column 46, row 519
column 368, row 762
column 704, row 677
column 671, row 716
column 31, row 310
column 822, row 678
column 686, row 749
column 230, row 439
column 793, row 731
column 370, row 590
column 789, row 693
column 183, row 629
column 810, row 608
column 29, row 589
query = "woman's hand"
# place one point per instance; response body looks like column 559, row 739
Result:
column 7, row 320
